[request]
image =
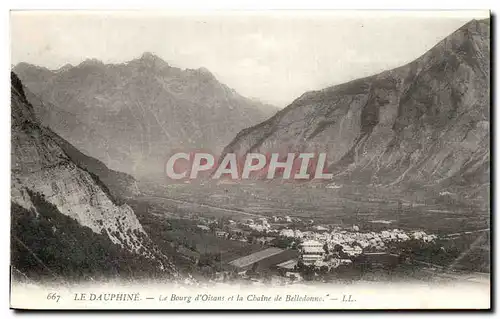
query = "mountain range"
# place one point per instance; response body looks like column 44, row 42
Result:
column 422, row 125
column 132, row 116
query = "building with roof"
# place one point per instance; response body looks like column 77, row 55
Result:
column 203, row 227
column 220, row 233
column 311, row 251
column 287, row 233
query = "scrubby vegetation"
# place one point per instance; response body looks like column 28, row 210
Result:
column 49, row 245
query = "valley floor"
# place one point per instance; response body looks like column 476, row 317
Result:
column 211, row 225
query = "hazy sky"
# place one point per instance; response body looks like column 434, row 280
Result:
column 274, row 57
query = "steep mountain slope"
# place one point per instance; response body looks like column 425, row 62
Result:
column 47, row 186
column 425, row 123
column 132, row 115
column 119, row 184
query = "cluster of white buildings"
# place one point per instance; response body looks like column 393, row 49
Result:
column 260, row 224
column 313, row 253
column 318, row 245
column 287, row 219
column 295, row 233
column 353, row 242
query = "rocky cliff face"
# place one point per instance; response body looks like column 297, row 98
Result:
column 41, row 166
column 132, row 115
column 426, row 122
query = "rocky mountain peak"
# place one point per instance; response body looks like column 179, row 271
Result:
column 151, row 60
column 17, row 85
column 22, row 111
column 66, row 67
column 91, row 62
column 130, row 115
column 205, row 72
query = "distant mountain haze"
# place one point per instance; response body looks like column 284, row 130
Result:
column 272, row 55
column 425, row 123
column 133, row 115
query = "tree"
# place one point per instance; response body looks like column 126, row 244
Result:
column 254, row 268
column 325, row 248
column 212, row 227
column 337, row 248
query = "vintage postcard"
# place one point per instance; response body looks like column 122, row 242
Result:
column 250, row 160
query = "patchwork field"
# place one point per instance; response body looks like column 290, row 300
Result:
column 357, row 205
column 255, row 257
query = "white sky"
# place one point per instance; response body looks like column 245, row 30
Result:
column 274, row 57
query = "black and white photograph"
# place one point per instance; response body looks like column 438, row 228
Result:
column 274, row 159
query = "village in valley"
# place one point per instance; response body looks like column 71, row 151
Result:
column 290, row 249
column 268, row 235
